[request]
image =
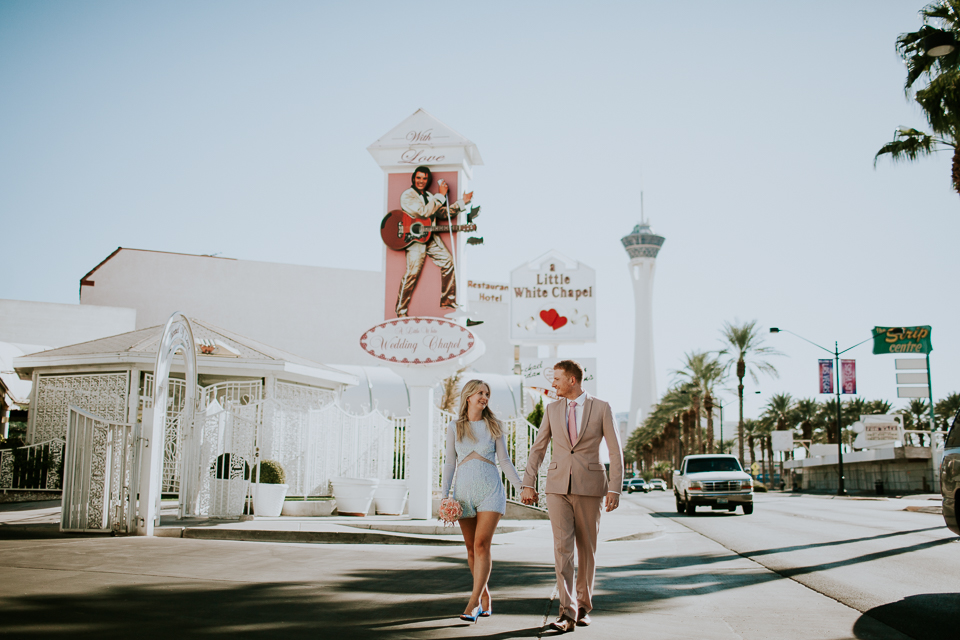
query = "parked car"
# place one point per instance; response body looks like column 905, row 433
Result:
column 950, row 476
column 656, row 484
column 715, row 481
column 635, row 484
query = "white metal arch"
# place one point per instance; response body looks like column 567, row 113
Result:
column 177, row 336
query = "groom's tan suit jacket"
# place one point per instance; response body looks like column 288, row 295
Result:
column 576, row 468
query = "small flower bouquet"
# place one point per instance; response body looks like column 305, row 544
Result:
column 450, row 511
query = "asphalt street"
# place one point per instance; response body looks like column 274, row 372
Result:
column 799, row 567
column 896, row 566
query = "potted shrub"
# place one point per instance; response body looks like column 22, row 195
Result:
column 269, row 489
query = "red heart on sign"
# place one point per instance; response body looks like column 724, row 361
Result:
column 553, row 319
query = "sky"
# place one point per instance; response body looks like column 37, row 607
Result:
column 240, row 129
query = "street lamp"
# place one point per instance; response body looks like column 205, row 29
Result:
column 836, row 364
column 937, row 42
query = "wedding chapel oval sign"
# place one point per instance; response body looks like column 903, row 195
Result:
column 417, row 341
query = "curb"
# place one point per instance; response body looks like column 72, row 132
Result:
column 316, row 537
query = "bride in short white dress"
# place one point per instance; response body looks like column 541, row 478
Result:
column 473, row 441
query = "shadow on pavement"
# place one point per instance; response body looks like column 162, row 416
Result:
column 930, row 616
column 371, row 603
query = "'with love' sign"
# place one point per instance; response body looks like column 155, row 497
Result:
column 553, row 300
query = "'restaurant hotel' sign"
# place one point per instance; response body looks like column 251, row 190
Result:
column 417, row 341
column 553, row 299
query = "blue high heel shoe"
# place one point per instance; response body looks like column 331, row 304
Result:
column 473, row 615
column 486, row 613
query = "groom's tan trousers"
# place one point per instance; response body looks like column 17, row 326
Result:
column 576, row 521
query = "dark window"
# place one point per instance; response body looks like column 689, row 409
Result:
column 953, row 439
column 699, row 465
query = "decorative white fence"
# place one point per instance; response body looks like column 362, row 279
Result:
column 330, row 443
column 36, row 467
column 100, row 474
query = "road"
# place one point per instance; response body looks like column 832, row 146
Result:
column 896, row 566
column 798, row 568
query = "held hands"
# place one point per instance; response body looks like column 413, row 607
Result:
column 528, row 496
column 613, row 501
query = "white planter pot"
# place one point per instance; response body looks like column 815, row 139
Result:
column 268, row 499
column 308, row 508
column 227, row 497
column 391, row 497
column 354, row 495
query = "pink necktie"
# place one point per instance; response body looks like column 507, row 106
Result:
column 572, row 421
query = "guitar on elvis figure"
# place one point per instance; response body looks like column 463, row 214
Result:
column 399, row 229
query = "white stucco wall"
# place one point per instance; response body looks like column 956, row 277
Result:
column 314, row 312
column 495, row 333
column 53, row 324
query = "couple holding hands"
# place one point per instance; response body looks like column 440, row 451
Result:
column 577, row 488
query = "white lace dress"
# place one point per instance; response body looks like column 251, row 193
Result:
column 478, row 487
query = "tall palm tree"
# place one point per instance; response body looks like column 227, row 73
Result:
column 745, row 351
column 932, row 53
column 779, row 411
column 700, row 373
column 750, row 427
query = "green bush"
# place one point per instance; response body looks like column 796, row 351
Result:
column 759, row 487
column 272, row 473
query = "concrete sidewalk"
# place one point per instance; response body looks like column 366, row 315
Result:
column 41, row 519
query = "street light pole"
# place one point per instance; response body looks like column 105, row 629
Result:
column 836, row 353
column 841, row 491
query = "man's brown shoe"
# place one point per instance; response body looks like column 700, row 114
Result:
column 564, row 623
column 583, row 618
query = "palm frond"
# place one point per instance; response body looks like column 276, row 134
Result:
column 908, row 144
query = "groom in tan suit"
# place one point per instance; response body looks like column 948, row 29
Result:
column 576, row 485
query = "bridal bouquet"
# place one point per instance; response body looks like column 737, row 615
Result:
column 450, row 511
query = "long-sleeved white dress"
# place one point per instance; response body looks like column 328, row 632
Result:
column 478, row 487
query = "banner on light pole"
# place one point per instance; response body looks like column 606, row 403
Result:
column 848, row 376
column 826, row 376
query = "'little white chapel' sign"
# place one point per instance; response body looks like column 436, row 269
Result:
column 553, row 300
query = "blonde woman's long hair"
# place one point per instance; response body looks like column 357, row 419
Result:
column 463, row 422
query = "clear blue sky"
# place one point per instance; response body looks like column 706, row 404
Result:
column 241, row 128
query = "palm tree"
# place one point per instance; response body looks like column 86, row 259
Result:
column 940, row 98
column 779, row 411
column 917, row 414
column 746, row 352
column 945, row 411
column 701, row 371
column 805, row 414
column 827, row 420
column 878, row 408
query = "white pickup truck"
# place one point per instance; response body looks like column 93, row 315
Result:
column 714, row 480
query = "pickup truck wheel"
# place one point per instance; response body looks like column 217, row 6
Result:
column 691, row 508
column 680, row 506
column 747, row 509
